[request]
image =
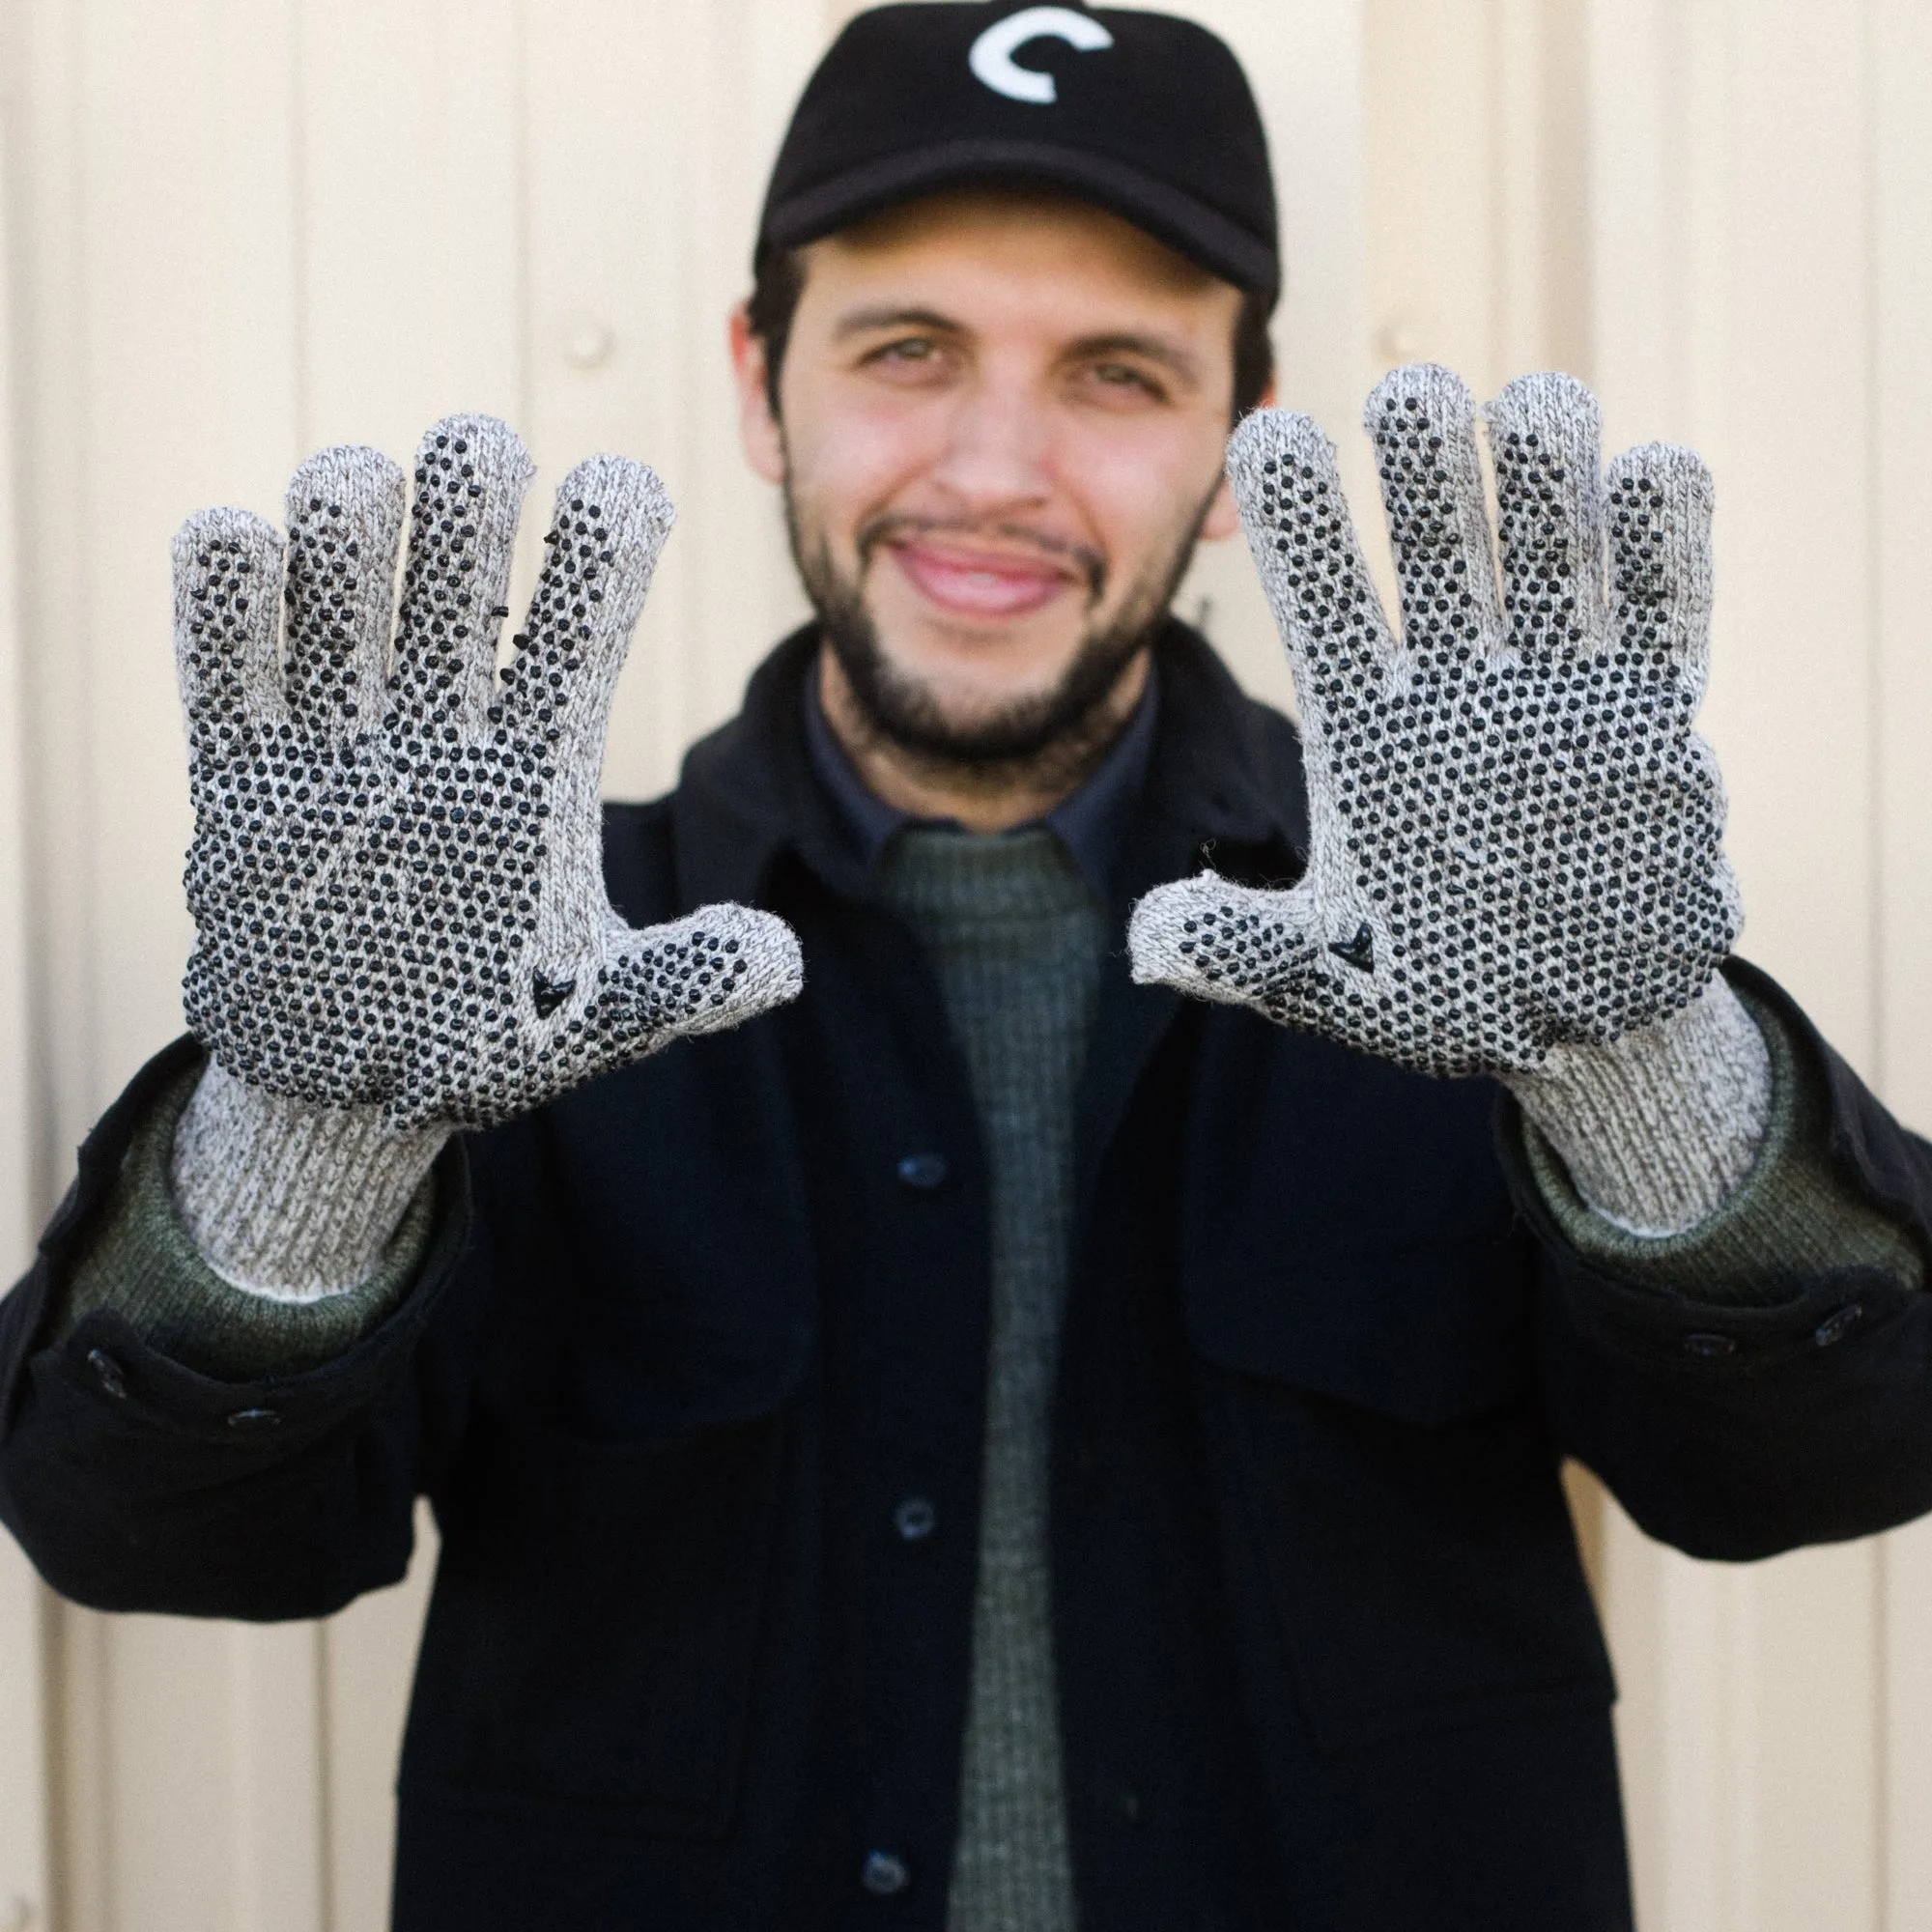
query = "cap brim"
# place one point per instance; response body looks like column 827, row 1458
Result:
column 1188, row 226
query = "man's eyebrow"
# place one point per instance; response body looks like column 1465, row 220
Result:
column 1114, row 342
column 862, row 321
column 1124, row 342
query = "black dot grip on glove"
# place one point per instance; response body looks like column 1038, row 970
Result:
column 395, row 874
column 1515, row 851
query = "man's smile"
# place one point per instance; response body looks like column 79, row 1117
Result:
column 993, row 586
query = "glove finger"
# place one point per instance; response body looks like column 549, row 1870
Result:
column 1692, row 804
column 470, row 476
column 1544, row 438
column 1660, row 523
column 606, row 538
column 577, row 1018
column 228, row 600
column 1325, row 602
column 1218, row 941
column 718, row 967
column 345, row 518
column 1423, row 421
column 610, row 525
column 1730, row 898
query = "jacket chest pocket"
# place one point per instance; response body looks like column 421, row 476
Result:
column 1344, row 1229
column 1422, row 1576
column 592, row 1639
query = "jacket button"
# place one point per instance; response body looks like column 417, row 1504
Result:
column 252, row 1420
column 107, row 1373
column 883, row 1875
column 1836, row 1327
column 923, row 1171
column 916, row 1519
column 1709, row 1348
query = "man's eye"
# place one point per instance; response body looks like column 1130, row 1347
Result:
column 1124, row 376
column 913, row 348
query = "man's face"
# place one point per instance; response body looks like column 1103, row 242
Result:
column 1003, row 420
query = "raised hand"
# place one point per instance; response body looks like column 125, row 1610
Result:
column 1515, row 834
column 395, row 876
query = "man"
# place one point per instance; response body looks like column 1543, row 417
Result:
column 992, row 1443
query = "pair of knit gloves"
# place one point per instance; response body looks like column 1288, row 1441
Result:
column 1515, row 865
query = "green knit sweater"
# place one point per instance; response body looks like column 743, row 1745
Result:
column 1016, row 938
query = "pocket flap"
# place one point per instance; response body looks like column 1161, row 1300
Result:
column 1424, row 1334
column 1346, row 1227
column 593, row 1634
column 1425, row 1578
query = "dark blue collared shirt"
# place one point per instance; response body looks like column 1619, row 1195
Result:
column 1092, row 824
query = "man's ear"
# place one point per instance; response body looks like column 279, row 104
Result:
column 757, row 428
column 1223, row 519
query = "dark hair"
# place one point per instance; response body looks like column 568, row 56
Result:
column 780, row 282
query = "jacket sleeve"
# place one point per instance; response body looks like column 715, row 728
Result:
column 140, row 1260
column 135, row 1480
column 1768, row 1383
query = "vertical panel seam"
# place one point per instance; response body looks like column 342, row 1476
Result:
column 322, row 1654
column 525, row 386
column 1875, row 613
column 300, row 348
column 1876, row 616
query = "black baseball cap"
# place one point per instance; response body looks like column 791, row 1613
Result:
column 1143, row 114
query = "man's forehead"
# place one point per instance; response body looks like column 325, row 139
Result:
column 1004, row 245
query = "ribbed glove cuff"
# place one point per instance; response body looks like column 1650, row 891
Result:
column 287, row 1200
column 1659, row 1130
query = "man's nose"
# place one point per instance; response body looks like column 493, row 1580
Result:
column 996, row 454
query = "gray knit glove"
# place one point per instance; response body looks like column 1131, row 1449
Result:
column 401, row 923
column 1515, row 835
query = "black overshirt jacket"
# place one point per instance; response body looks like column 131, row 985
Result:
column 688, row 1338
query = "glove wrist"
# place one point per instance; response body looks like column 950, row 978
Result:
column 1661, row 1127
column 288, row 1199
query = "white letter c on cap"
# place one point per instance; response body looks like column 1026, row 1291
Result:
column 992, row 55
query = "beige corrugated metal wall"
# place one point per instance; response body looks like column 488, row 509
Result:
column 235, row 229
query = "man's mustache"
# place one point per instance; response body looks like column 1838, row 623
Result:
column 896, row 528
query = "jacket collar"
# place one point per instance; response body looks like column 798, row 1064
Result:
column 1224, row 778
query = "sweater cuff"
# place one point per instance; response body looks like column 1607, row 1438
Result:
column 142, row 1263
column 1793, row 1217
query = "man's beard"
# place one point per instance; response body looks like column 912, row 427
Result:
column 1047, row 740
